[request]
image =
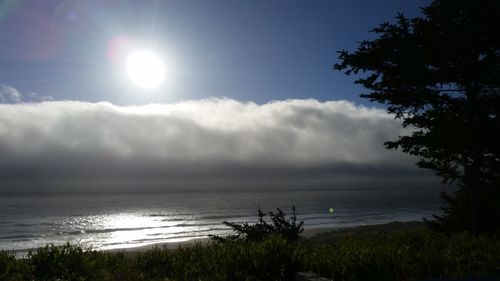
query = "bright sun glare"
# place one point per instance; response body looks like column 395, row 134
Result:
column 145, row 69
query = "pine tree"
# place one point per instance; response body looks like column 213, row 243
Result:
column 440, row 74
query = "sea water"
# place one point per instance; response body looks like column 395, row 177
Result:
column 110, row 220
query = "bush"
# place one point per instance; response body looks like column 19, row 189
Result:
column 70, row 262
column 11, row 268
column 280, row 226
column 269, row 259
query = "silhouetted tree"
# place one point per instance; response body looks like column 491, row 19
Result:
column 440, row 74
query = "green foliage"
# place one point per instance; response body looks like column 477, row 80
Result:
column 269, row 259
column 11, row 268
column 156, row 263
column 70, row 262
column 403, row 256
column 280, row 226
column 62, row 262
column 440, row 74
column 376, row 256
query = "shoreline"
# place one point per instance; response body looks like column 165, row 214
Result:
column 168, row 245
column 314, row 234
column 320, row 234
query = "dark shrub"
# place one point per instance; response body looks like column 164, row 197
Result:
column 280, row 226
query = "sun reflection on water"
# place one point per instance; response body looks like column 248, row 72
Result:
column 124, row 230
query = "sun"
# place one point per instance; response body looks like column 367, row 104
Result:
column 145, row 69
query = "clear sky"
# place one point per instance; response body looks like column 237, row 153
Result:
column 256, row 50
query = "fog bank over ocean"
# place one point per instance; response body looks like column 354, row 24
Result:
column 213, row 142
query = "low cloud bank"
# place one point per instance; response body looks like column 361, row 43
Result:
column 206, row 140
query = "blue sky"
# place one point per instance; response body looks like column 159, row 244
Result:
column 245, row 50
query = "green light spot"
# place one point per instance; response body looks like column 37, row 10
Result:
column 331, row 210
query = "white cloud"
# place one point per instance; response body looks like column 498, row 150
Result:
column 10, row 95
column 35, row 97
column 213, row 138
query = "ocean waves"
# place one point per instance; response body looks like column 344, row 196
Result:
column 121, row 220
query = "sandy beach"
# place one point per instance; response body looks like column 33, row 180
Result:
column 315, row 234
column 168, row 245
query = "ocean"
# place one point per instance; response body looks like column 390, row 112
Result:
column 128, row 219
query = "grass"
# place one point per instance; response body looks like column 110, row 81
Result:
column 403, row 255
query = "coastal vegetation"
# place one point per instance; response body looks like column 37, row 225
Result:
column 279, row 225
column 398, row 255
